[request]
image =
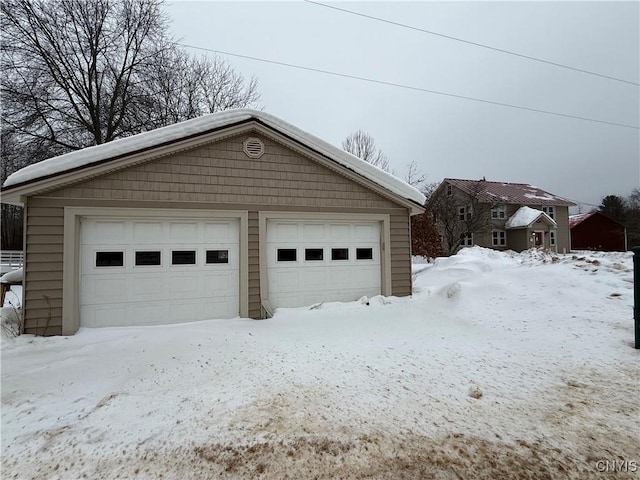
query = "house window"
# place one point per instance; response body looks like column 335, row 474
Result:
column 183, row 257
column 449, row 191
column 499, row 212
column 466, row 240
column 217, row 256
column 498, row 238
column 465, row 213
column 109, row 259
column 287, row 254
column 552, row 237
column 147, row 259
column 551, row 211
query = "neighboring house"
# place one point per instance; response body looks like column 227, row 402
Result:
column 596, row 231
column 231, row 214
column 500, row 215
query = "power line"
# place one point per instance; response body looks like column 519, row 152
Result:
column 409, row 87
column 469, row 42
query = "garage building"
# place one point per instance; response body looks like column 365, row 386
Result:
column 231, row 214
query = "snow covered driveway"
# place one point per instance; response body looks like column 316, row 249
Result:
column 500, row 366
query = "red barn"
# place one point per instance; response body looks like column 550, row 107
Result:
column 596, row 231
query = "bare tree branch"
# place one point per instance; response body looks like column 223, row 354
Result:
column 363, row 146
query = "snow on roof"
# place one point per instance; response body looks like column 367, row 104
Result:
column 525, row 216
column 12, row 276
column 579, row 218
column 90, row 155
column 521, row 193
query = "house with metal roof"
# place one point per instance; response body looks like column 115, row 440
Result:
column 499, row 215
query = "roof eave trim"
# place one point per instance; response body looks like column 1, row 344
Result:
column 123, row 155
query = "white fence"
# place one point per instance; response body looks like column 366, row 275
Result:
column 11, row 260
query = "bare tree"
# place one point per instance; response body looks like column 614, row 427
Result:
column 78, row 73
column 363, row 146
column 75, row 73
column 71, row 67
column 182, row 86
column 11, row 216
column 415, row 176
column 459, row 215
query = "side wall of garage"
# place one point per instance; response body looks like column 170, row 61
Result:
column 214, row 176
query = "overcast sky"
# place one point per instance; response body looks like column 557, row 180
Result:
column 450, row 137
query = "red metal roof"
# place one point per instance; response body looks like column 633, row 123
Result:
column 579, row 218
column 503, row 192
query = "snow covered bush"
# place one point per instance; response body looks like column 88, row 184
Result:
column 11, row 320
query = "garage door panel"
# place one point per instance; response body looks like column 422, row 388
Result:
column 109, row 232
column 287, row 278
column 220, row 285
column 185, row 285
column 103, row 316
column 314, row 277
column 147, row 232
column 185, row 311
column 285, row 232
column 221, row 232
column 183, row 232
column 165, row 293
column 219, row 309
column 339, row 233
column 150, row 287
column 313, row 233
column 98, row 290
column 366, row 233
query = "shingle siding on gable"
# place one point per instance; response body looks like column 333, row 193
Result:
column 221, row 173
column 215, row 176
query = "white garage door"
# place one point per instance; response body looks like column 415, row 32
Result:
column 316, row 261
column 149, row 272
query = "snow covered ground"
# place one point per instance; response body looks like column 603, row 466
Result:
column 501, row 365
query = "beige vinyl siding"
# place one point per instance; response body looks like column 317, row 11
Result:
column 43, row 268
column 400, row 254
column 221, row 173
column 254, row 266
column 518, row 239
column 563, row 234
column 214, row 176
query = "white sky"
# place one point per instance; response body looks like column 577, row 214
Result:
column 450, row 137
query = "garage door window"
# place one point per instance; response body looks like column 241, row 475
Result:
column 287, row 255
column 339, row 254
column 313, row 254
column 148, row 259
column 109, row 259
column 217, row 256
column 183, row 257
column 364, row 253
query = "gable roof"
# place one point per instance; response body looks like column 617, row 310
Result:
column 581, row 217
column 503, row 192
column 79, row 159
column 526, row 216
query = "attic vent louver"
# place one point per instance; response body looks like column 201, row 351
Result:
column 253, row 147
